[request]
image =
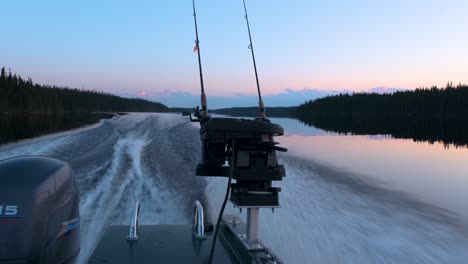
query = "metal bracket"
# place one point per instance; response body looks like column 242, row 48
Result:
column 198, row 221
column 133, row 232
column 258, row 251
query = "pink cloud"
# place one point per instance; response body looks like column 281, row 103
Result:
column 142, row 93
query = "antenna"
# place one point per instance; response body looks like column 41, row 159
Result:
column 260, row 101
column 196, row 49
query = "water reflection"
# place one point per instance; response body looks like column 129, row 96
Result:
column 428, row 172
column 16, row 127
column 450, row 132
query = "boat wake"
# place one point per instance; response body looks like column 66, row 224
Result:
column 137, row 172
column 341, row 218
column 327, row 216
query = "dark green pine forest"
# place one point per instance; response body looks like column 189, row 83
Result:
column 18, row 96
column 425, row 114
column 449, row 102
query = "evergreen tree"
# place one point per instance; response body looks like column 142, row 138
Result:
column 20, row 96
column 448, row 102
column 3, row 74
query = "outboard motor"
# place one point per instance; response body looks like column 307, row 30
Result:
column 39, row 211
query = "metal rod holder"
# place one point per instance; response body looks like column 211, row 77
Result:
column 252, row 224
column 198, row 221
column 133, row 232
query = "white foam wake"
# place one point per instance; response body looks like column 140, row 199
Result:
column 327, row 216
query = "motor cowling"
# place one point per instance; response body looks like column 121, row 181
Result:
column 39, row 211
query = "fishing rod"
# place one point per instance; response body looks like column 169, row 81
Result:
column 223, row 141
column 196, row 49
column 260, row 101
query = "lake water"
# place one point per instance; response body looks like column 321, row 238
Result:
column 345, row 199
column 432, row 172
column 14, row 127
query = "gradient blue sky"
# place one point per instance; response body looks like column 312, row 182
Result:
column 145, row 48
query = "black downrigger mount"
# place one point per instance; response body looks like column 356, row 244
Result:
column 244, row 150
column 255, row 163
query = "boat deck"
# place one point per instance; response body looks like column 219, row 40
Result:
column 157, row 244
column 175, row 244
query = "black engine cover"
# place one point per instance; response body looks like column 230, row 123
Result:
column 39, row 211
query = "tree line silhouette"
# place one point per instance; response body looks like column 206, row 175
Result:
column 18, row 95
column 434, row 102
column 429, row 115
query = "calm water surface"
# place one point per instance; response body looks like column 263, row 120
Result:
column 15, row 127
column 432, row 173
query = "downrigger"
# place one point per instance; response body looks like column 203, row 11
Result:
column 243, row 150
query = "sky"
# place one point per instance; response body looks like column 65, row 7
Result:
column 304, row 48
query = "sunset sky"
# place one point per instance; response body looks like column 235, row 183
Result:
column 145, row 48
